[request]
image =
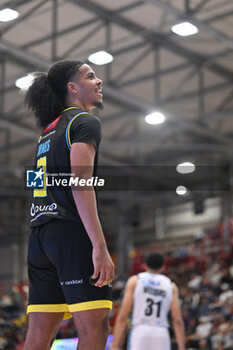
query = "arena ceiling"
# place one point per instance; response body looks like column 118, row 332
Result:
column 189, row 79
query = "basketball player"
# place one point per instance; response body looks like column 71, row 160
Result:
column 66, row 244
column 151, row 295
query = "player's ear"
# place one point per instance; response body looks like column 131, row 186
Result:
column 144, row 267
column 162, row 269
column 72, row 87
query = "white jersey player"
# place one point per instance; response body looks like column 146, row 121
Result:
column 150, row 296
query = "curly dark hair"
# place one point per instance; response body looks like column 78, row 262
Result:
column 154, row 260
column 46, row 96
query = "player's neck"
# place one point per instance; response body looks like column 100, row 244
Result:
column 155, row 272
column 75, row 102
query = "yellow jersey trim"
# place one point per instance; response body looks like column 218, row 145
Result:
column 66, row 109
column 69, row 126
column 91, row 305
column 50, row 308
column 68, row 309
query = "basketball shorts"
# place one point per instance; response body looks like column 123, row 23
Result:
column 59, row 268
column 149, row 338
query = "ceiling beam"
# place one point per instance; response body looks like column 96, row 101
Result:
column 194, row 93
column 201, row 4
column 150, row 36
column 154, row 75
column 182, row 147
column 144, row 107
column 154, row 38
column 130, row 6
column 22, row 17
column 23, row 56
column 225, row 39
column 61, row 33
column 216, row 5
column 218, row 17
column 112, row 94
column 82, row 40
column 22, row 130
column 14, row 3
column 17, row 144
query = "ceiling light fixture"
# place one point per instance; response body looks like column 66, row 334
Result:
column 181, row 190
column 184, row 29
column 155, row 118
column 100, row 58
column 185, row 168
column 7, row 15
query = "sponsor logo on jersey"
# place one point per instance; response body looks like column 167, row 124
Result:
column 52, row 124
column 70, row 283
column 42, row 209
column 45, row 136
column 154, row 283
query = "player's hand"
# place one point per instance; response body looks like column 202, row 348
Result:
column 103, row 266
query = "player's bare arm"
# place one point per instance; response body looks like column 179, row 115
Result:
column 120, row 328
column 82, row 159
column 177, row 319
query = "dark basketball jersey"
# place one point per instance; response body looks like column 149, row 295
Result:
column 54, row 201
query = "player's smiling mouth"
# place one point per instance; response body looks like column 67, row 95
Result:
column 99, row 90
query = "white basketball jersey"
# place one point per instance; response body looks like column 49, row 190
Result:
column 152, row 300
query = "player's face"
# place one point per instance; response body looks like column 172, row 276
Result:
column 89, row 88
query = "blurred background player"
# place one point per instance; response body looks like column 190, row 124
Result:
column 150, row 296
